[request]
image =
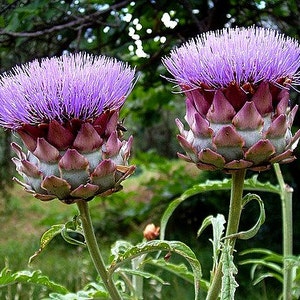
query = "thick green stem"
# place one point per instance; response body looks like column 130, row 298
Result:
column 235, row 209
column 92, row 245
column 287, row 227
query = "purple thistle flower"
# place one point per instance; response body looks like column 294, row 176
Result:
column 237, row 83
column 66, row 111
column 241, row 55
column 79, row 86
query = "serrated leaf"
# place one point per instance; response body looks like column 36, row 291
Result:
column 118, row 248
column 36, row 277
column 218, row 231
column 69, row 239
column 50, row 234
column 208, row 186
column 47, row 238
column 252, row 184
column 72, row 227
column 65, row 230
column 71, row 296
column 205, row 223
column 179, row 270
column 248, row 234
column 157, row 245
column 229, row 271
column 143, row 274
column 97, row 286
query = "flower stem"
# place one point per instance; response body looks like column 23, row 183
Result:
column 93, row 248
column 235, row 209
column 138, row 281
column 287, row 227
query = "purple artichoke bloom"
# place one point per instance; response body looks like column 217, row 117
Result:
column 65, row 109
column 237, row 86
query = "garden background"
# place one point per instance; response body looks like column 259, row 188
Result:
column 140, row 33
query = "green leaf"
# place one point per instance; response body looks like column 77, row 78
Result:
column 218, row 231
column 50, row 234
column 73, row 227
column 69, row 239
column 179, row 270
column 2, row 22
column 47, row 238
column 268, row 254
column 260, row 251
column 205, row 223
column 267, row 275
column 92, row 290
column 36, row 277
column 261, row 219
column 209, row 185
column 81, row 295
column 118, row 248
column 157, row 245
column 262, row 263
column 252, row 184
column 248, row 234
column 270, row 261
column 144, row 274
column 229, row 271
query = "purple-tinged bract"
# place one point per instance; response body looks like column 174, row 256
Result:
column 65, row 109
column 237, row 83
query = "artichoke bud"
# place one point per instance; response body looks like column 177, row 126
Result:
column 76, row 160
column 237, row 97
column 232, row 135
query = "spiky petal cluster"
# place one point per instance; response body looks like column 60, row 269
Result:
column 236, row 83
column 65, row 109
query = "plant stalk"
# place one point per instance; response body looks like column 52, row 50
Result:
column 138, row 281
column 234, row 214
column 286, row 196
column 94, row 251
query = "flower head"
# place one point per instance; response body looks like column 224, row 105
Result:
column 79, row 86
column 237, row 84
column 66, row 110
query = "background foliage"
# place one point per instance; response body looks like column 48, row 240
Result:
column 141, row 32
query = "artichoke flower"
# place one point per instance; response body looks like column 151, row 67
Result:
column 65, row 109
column 237, row 85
